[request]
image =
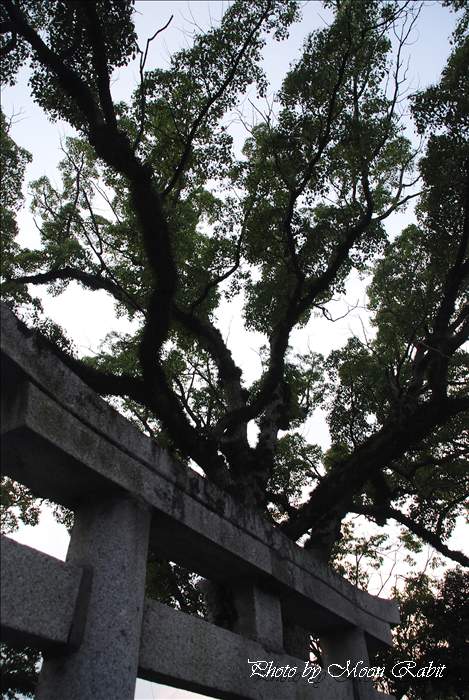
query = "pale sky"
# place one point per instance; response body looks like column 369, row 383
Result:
column 93, row 313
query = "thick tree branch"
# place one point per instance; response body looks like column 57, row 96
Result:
column 100, row 61
column 457, row 273
column 211, row 339
column 333, row 496
column 388, row 512
column 432, row 359
column 89, row 280
column 231, row 270
column 81, row 92
column 281, row 334
column 114, row 147
column 309, row 171
column 102, row 382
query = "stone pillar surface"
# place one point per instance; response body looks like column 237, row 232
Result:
column 296, row 641
column 247, row 609
column 347, row 648
column 259, row 615
column 109, row 538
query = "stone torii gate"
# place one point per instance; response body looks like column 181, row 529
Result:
column 89, row 615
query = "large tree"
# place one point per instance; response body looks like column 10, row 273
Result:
column 191, row 225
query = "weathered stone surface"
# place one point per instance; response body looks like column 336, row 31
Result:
column 39, row 598
column 296, row 641
column 189, row 653
column 72, row 461
column 344, row 646
column 111, row 537
column 66, row 444
column 219, row 604
column 259, row 614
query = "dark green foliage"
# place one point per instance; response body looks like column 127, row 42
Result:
column 434, row 628
column 17, row 504
column 18, row 672
column 174, row 586
column 68, row 30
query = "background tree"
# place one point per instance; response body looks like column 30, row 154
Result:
column 434, row 627
column 19, row 672
column 191, row 225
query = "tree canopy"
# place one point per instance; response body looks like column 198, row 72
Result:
column 192, row 225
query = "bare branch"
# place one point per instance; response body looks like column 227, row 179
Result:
column 143, row 96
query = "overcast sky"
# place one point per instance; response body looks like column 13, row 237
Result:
column 93, row 313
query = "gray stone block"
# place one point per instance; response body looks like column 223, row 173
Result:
column 190, row 653
column 40, row 599
column 296, row 640
column 259, row 614
column 111, row 537
column 65, row 443
column 60, row 457
column 243, row 607
column 348, row 646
